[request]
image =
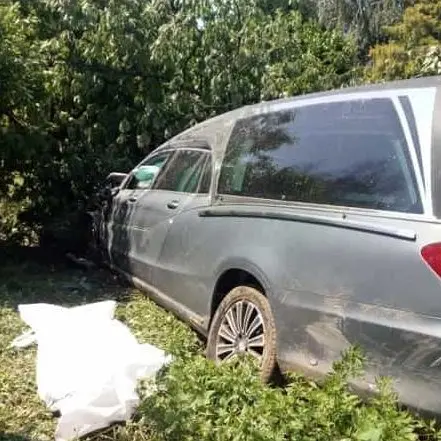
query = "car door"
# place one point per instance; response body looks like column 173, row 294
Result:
column 175, row 190
column 124, row 207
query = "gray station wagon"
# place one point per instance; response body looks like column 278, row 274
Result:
column 296, row 228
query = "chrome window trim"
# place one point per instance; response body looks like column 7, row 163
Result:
column 226, row 199
column 413, row 155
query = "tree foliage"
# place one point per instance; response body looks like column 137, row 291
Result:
column 92, row 86
column 364, row 19
column 413, row 46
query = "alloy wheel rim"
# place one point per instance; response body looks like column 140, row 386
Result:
column 241, row 332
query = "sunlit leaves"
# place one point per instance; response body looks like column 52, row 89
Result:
column 109, row 81
column 413, row 47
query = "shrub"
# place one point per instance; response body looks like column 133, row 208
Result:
column 197, row 400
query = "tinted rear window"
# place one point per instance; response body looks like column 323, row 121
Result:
column 351, row 153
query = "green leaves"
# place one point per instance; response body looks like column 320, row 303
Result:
column 370, row 434
column 197, row 400
column 303, row 58
column 107, row 82
column 193, row 399
column 364, row 19
column 413, row 46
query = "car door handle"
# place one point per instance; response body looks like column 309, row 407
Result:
column 133, row 199
column 173, row 205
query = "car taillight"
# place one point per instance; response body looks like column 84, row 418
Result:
column 432, row 256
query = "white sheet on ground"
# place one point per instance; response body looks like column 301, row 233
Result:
column 88, row 364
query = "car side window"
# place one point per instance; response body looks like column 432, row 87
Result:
column 183, row 173
column 143, row 176
column 351, row 153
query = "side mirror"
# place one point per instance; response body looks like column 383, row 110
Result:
column 115, row 179
column 111, row 186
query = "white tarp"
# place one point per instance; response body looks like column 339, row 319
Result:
column 88, row 364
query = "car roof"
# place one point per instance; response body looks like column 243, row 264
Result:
column 224, row 122
column 414, row 83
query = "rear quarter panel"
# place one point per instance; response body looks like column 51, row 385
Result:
column 330, row 285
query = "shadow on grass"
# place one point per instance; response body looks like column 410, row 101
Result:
column 12, row 437
column 38, row 275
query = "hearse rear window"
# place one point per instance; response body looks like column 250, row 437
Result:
column 350, row 153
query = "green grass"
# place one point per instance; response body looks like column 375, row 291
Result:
column 22, row 415
column 195, row 399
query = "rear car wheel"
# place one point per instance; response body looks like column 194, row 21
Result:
column 244, row 323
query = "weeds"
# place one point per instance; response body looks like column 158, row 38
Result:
column 194, row 398
column 197, row 400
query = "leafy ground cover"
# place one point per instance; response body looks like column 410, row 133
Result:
column 195, row 400
column 28, row 279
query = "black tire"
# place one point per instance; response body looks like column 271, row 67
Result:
column 231, row 302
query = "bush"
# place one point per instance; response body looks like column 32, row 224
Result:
column 87, row 88
column 197, row 400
